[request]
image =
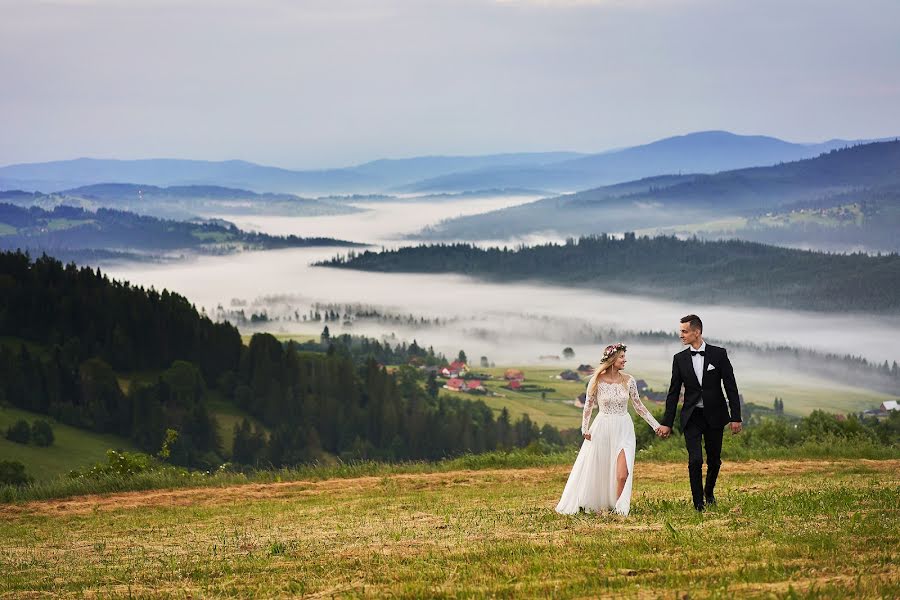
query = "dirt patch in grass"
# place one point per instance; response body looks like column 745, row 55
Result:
column 646, row 473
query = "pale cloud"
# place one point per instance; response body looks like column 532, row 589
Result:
column 321, row 83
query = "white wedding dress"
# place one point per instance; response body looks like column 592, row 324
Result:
column 592, row 482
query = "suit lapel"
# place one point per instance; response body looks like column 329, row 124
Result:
column 705, row 363
column 688, row 364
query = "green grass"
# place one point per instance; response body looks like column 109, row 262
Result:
column 554, row 409
column 6, row 229
column 71, row 449
column 782, row 529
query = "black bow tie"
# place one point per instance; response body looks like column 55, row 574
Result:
column 696, row 352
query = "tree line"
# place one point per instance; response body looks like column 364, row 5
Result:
column 111, row 229
column 731, row 271
column 72, row 333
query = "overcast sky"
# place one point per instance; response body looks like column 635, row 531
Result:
column 308, row 84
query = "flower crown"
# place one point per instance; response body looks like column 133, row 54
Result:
column 611, row 350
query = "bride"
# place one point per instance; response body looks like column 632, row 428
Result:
column 602, row 475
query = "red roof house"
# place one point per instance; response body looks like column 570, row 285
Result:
column 456, row 384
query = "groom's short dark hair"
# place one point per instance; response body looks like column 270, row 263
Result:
column 694, row 320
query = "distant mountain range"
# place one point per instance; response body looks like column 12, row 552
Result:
column 867, row 173
column 702, row 152
column 380, row 175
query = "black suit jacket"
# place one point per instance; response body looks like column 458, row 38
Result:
column 715, row 409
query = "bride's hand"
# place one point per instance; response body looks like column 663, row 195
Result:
column 587, row 436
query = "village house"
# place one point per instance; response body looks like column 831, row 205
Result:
column 473, row 385
column 455, row 369
column 455, row 384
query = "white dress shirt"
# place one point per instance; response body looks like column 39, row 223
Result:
column 697, row 361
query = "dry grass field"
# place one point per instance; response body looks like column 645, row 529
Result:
column 782, row 529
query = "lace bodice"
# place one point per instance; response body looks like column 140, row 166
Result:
column 612, row 399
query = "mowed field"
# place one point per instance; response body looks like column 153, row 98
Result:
column 782, row 529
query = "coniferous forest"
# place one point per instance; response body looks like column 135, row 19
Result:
column 70, row 333
column 733, row 271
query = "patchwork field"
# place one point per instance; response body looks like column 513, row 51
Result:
column 783, row 529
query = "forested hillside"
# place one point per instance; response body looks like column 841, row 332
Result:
column 688, row 199
column 728, row 271
column 70, row 331
column 71, row 228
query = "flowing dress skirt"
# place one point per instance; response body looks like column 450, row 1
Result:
column 592, row 482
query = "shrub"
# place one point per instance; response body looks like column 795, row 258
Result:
column 42, row 433
column 20, row 432
column 122, row 464
column 12, row 472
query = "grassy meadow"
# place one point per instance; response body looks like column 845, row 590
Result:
column 72, row 448
column 782, row 529
column 801, row 393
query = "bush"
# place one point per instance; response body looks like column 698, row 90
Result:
column 42, row 433
column 20, row 432
column 12, row 472
column 122, row 464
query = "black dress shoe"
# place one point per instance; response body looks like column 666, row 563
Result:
column 710, row 500
column 699, row 507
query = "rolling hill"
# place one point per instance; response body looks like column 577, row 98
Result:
column 681, row 199
column 701, row 152
column 67, row 228
column 731, row 272
column 178, row 202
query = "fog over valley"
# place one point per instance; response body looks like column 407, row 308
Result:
column 509, row 323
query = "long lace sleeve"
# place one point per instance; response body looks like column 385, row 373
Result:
column 639, row 406
column 589, row 403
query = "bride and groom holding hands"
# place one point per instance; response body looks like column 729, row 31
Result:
column 601, row 478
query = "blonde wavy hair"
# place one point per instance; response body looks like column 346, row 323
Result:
column 610, row 354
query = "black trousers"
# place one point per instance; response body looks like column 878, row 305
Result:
column 697, row 433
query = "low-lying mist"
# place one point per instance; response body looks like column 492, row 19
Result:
column 511, row 323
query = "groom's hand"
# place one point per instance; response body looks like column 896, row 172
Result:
column 663, row 431
column 735, row 427
column 587, row 436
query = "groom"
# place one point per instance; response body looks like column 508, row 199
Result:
column 703, row 370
